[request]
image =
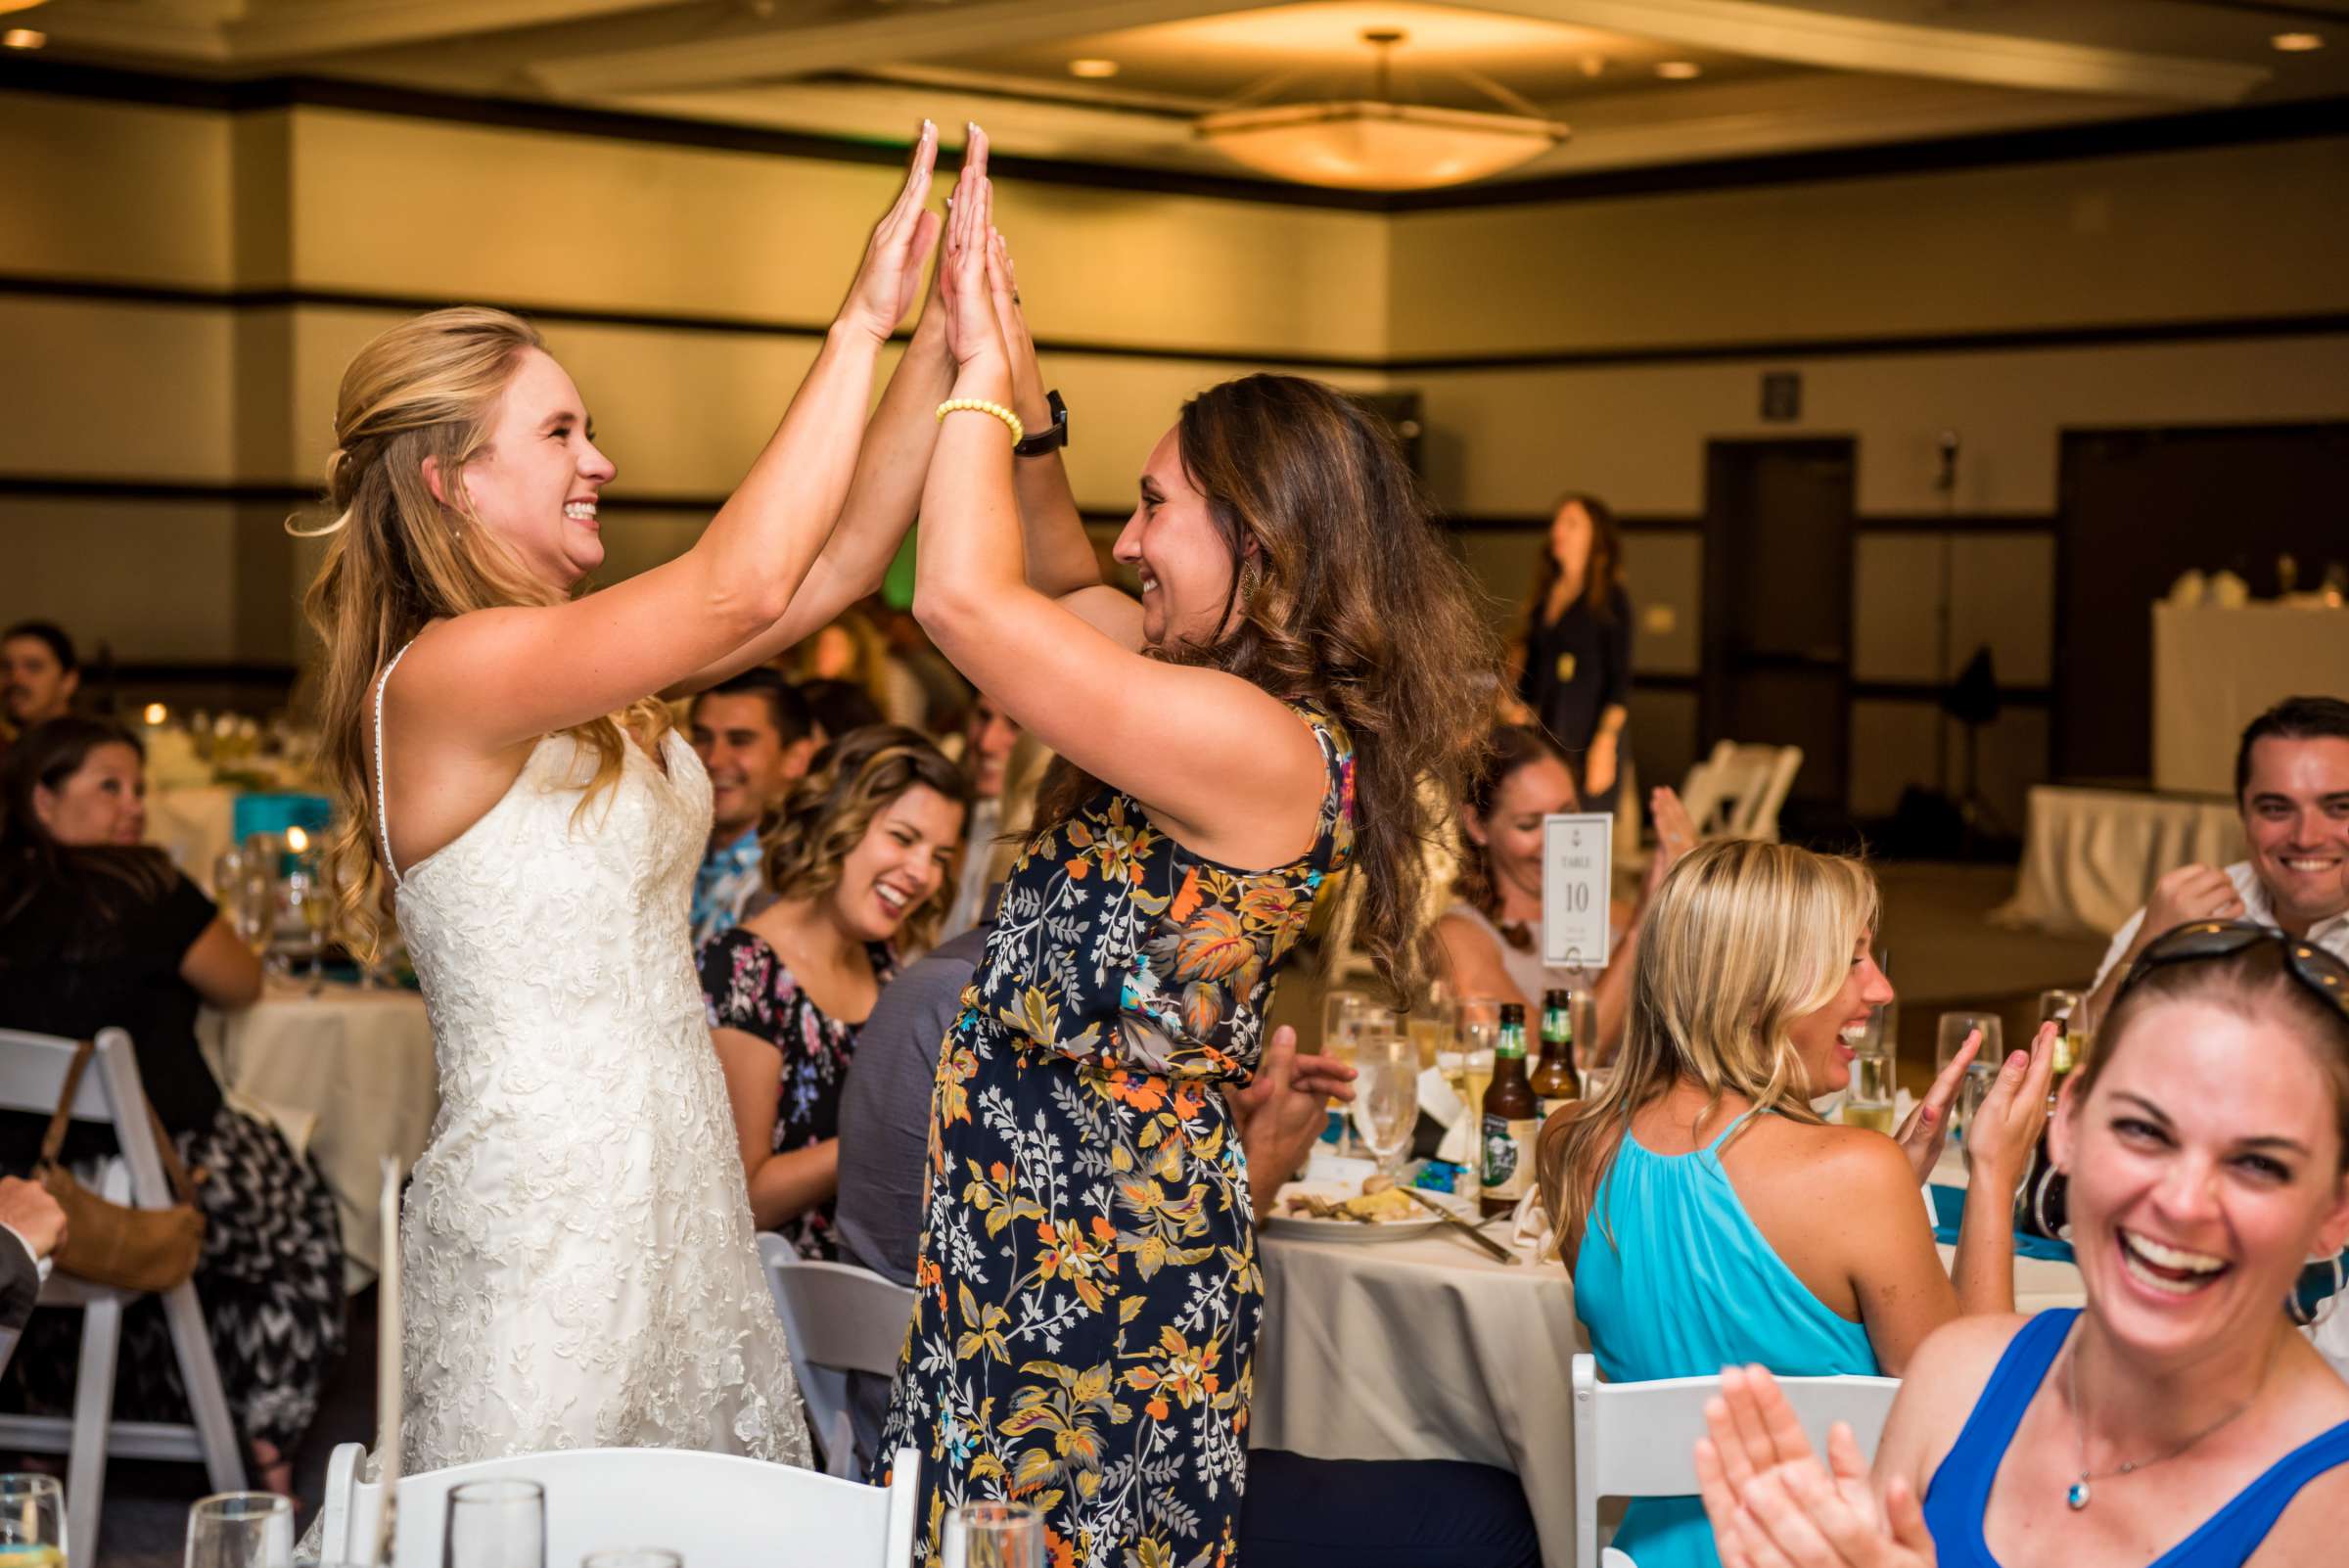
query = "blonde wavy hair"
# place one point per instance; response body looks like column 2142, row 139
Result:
column 1743, row 938
column 398, row 559
column 826, row 815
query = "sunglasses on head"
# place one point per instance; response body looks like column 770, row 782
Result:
column 2313, row 967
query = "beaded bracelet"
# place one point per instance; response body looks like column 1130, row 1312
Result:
column 979, row 405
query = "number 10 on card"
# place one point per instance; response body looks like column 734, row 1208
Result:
column 1576, row 876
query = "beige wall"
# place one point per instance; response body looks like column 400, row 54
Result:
column 210, row 396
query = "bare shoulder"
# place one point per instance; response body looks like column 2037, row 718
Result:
column 2309, row 1530
column 1849, row 1154
column 1940, row 1386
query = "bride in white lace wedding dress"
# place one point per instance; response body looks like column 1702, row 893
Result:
column 579, row 1266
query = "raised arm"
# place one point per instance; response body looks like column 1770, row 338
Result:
column 1060, row 558
column 495, row 678
column 1219, row 761
column 883, row 496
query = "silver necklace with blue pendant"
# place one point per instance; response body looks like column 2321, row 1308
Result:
column 2077, row 1496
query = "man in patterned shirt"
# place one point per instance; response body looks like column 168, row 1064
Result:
column 755, row 736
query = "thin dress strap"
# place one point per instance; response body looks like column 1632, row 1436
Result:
column 1731, row 1132
column 382, row 816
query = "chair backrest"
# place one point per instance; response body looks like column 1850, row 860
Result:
column 1702, row 792
column 838, row 1318
column 32, row 1076
column 710, row 1508
column 1738, row 791
column 1638, row 1439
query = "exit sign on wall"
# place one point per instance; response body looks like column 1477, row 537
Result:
column 1781, row 395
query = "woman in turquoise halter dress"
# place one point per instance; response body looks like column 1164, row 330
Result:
column 2180, row 1421
column 1710, row 1218
column 1303, row 656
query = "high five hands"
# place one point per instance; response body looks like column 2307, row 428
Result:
column 969, row 279
column 890, row 276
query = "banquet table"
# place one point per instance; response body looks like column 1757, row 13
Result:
column 2090, row 856
column 350, row 1072
column 1422, row 1348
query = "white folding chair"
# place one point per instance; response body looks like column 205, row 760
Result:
column 1738, row 791
column 33, row 1078
column 1638, row 1439
column 710, row 1508
column 838, row 1319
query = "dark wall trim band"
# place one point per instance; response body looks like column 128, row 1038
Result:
column 644, row 321
column 2265, row 123
column 2092, row 335
column 1538, row 523
column 242, row 492
column 1770, row 350
column 1956, row 522
column 1928, row 691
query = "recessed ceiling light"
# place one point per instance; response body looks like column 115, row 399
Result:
column 1679, row 69
column 22, row 38
column 1094, row 68
column 2298, row 43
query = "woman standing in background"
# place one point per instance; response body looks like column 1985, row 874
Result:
column 1576, row 680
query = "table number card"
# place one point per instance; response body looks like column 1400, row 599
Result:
column 1576, row 872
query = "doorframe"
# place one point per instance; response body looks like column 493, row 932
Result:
column 1714, row 648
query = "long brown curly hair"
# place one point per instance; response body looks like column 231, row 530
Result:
column 1353, row 602
column 400, row 559
column 1602, row 571
column 829, row 809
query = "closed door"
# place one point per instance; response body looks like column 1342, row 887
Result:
column 1779, row 607
column 2139, row 508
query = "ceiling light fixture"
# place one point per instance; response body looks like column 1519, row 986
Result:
column 22, row 38
column 2298, row 43
column 1092, row 70
column 1376, row 144
column 1679, row 69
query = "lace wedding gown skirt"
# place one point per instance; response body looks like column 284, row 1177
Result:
column 578, row 1263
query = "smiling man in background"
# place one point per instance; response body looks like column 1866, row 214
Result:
column 39, row 675
column 2291, row 783
column 754, row 735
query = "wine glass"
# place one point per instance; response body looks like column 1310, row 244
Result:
column 1342, row 1014
column 32, row 1521
column 994, row 1535
column 1386, row 1094
column 1947, row 1041
column 309, row 900
column 241, row 1530
column 495, row 1524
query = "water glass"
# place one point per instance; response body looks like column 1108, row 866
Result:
column 634, row 1557
column 241, row 1530
column 32, row 1521
column 1385, row 1094
column 994, row 1535
column 495, row 1524
column 1949, row 1039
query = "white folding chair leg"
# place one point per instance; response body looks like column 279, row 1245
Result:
column 93, row 1412
column 207, row 1401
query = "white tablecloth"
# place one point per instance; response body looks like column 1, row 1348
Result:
column 2215, row 670
column 350, row 1070
column 1426, row 1349
column 193, row 824
column 2090, row 856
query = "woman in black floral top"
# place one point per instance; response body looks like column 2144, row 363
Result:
column 857, row 859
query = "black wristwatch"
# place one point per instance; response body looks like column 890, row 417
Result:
column 1050, row 439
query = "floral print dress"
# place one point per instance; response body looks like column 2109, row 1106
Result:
column 1087, row 1290
column 746, row 986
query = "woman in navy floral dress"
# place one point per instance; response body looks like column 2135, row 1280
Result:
column 1303, row 658
column 857, row 861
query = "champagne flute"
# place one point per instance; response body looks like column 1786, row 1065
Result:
column 32, row 1521
column 1343, row 1013
column 241, row 1530
column 495, row 1524
column 1385, row 1094
column 309, row 900
column 994, row 1535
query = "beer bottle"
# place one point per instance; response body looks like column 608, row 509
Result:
column 1512, row 1119
column 1554, row 1081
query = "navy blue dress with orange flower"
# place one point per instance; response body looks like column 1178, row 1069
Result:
column 1087, row 1290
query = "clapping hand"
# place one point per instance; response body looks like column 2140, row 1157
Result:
column 1773, row 1504
column 1284, row 1110
column 891, row 274
column 2006, row 1124
column 1920, row 1137
column 1676, row 836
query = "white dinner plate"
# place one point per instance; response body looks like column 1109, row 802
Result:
column 1305, row 1228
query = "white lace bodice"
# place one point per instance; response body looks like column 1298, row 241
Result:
column 579, row 1268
